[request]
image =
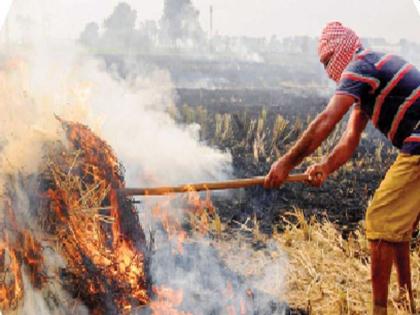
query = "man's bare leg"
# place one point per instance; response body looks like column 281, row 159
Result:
column 402, row 263
column 382, row 256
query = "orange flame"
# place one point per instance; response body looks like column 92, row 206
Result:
column 104, row 256
column 97, row 231
column 167, row 300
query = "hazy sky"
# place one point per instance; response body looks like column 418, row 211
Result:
column 392, row 19
column 4, row 8
column 417, row 3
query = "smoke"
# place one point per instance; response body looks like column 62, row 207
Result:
column 26, row 122
column 179, row 23
column 45, row 77
column 136, row 123
column 131, row 114
column 52, row 299
column 220, row 276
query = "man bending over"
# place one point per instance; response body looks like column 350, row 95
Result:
column 384, row 89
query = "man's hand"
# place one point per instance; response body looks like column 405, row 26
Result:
column 278, row 174
column 317, row 131
column 318, row 174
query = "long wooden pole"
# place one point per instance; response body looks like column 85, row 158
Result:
column 231, row 184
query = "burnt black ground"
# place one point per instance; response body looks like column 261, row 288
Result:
column 342, row 199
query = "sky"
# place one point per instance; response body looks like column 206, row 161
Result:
column 417, row 3
column 391, row 19
column 4, row 9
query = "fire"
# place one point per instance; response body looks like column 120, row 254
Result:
column 11, row 286
column 99, row 232
column 96, row 230
column 198, row 213
column 17, row 247
column 80, row 213
column 167, row 301
column 180, row 241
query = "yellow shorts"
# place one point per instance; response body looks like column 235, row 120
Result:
column 395, row 208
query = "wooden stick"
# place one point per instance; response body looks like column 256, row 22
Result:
column 231, row 184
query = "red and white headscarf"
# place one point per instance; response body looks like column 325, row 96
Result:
column 337, row 45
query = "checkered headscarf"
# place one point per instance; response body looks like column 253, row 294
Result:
column 338, row 45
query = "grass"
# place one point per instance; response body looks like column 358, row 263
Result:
column 331, row 275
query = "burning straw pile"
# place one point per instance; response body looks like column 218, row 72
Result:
column 76, row 209
column 80, row 246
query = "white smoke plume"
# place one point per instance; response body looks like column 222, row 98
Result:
column 130, row 114
column 41, row 76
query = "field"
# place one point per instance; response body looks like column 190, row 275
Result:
column 321, row 230
column 135, row 98
column 257, row 127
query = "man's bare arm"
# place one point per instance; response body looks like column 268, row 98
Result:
column 319, row 129
column 315, row 134
column 348, row 143
column 342, row 152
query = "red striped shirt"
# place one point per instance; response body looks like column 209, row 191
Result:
column 412, row 139
column 362, row 54
column 386, row 87
column 374, row 83
column 383, row 61
column 401, row 112
column 384, row 93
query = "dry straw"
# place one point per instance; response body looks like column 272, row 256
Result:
column 331, row 275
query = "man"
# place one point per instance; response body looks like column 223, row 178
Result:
column 385, row 89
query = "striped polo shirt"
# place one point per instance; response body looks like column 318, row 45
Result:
column 387, row 88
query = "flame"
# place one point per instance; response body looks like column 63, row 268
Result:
column 200, row 214
column 11, row 286
column 180, row 242
column 243, row 309
column 167, row 301
column 98, row 233
column 100, row 236
column 97, row 230
column 17, row 247
column 229, row 290
column 230, row 310
column 233, row 308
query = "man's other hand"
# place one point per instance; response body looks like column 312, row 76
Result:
column 318, row 174
column 278, row 174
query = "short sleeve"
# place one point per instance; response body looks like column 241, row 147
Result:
column 359, row 80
